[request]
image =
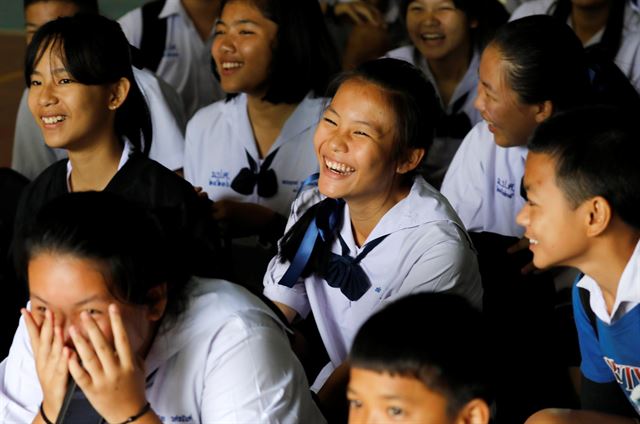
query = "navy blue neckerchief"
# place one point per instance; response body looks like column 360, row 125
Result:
column 343, row 272
column 264, row 178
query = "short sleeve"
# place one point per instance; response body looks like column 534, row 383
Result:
column 252, row 376
column 463, row 183
column 593, row 366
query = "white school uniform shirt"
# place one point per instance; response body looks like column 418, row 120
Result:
column 220, row 135
column 226, row 360
column 628, row 56
column 627, row 296
column 186, row 61
column 426, row 250
column 439, row 156
column 483, row 183
column 31, row 155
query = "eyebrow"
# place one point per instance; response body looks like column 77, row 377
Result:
column 56, row 71
column 97, row 297
column 238, row 22
column 375, row 128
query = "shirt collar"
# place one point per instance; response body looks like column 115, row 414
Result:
column 423, row 204
column 628, row 288
column 124, row 157
column 171, row 7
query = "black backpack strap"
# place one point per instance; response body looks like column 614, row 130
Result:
column 154, row 34
column 584, row 299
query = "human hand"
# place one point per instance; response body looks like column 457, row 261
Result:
column 51, row 358
column 112, row 381
column 519, row 246
column 200, row 192
column 361, row 13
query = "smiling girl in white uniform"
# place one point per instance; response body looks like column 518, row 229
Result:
column 368, row 205
column 111, row 309
column 251, row 152
column 447, row 37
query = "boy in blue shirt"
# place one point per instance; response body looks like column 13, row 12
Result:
column 582, row 181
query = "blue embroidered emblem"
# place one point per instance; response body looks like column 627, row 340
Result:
column 505, row 188
column 220, row 179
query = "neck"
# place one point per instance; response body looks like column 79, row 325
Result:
column 365, row 214
column 203, row 14
column 94, row 166
column 607, row 261
column 267, row 120
column 588, row 21
column 449, row 71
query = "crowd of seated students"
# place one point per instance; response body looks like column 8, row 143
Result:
column 207, row 220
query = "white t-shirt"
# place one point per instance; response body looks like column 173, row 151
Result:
column 628, row 56
column 186, row 62
column 426, row 250
column 31, row 155
column 483, row 183
column 227, row 359
column 439, row 156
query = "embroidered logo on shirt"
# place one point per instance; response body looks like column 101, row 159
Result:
column 628, row 377
column 505, row 188
column 219, row 179
column 171, row 51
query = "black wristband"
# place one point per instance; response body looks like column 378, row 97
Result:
column 132, row 418
column 44, row 416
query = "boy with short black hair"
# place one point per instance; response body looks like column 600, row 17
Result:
column 582, row 180
column 437, row 375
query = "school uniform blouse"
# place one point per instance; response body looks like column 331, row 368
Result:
column 426, row 250
column 612, row 354
column 31, row 155
column 483, row 183
column 184, row 216
column 186, row 61
column 227, row 359
column 219, row 139
column 628, row 55
column 454, row 127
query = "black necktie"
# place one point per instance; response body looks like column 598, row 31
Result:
column 346, row 273
column 265, row 178
column 455, row 125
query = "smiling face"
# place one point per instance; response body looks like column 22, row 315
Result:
column 355, row 143
column 510, row 120
column 67, row 285
column 41, row 12
column 439, row 30
column 70, row 114
column 556, row 230
column 376, row 397
column 242, row 48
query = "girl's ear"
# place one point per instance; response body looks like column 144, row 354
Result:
column 157, row 302
column 410, row 161
column 118, row 93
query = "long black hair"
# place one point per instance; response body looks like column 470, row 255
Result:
column 95, row 51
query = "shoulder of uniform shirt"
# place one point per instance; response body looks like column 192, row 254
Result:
column 403, row 53
column 208, row 115
column 532, row 7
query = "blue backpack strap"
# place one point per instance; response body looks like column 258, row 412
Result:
column 154, row 34
column 586, row 305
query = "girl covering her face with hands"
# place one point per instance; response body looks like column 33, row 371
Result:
column 112, row 310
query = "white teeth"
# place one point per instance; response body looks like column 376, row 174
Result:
column 231, row 65
column 533, row 241
column 49, row 120
column 432, row 36
column 338, row 167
